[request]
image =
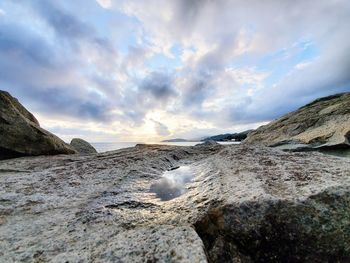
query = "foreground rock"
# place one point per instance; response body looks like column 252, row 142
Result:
column 324, row 123
column 82, row 146
column 243, row 204
column 21, row 134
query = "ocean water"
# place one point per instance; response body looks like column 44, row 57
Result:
column 112, row 146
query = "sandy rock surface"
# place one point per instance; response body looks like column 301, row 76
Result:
column 243, row 204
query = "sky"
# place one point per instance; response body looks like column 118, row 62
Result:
column 132, row 70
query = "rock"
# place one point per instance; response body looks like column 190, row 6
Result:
column 82, row 146
column 176, row 140
column 21, row 134
column 229, row 136
column 156, row 244
column 324, row 123
column 245, row 204
column 208, row 143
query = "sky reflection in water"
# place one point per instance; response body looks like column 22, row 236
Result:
column 172, row 184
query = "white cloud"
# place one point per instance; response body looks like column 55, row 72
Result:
column 105, row 3
column 226, row 57
column 2, row 12
column 302, row 65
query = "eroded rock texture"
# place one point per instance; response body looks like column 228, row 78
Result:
column 243, row 204
column 324, row 123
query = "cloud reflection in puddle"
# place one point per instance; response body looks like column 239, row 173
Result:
column 172, row 184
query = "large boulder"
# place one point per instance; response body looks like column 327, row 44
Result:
column 82, row 146
column 244, row 204
column 324, row 123
column 21, row 134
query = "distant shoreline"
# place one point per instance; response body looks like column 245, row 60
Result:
column 113, row 146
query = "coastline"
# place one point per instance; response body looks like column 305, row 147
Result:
column 112, row 146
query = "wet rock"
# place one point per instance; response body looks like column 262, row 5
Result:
column 244, row 204
column 21, row 134
column 82, row 146
column 323, row 123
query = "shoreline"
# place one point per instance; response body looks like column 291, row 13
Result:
column 112, row 146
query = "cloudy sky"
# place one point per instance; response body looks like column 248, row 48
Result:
column 146, row 70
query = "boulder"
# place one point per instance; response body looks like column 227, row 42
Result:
column 208, row 143
column 82, row 146
column 323, row 123
column 21, row 134
column 244, row 204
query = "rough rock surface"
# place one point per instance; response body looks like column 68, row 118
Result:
column 323, row 123
column 21, row 134
column 243, row 204
column 82, row 146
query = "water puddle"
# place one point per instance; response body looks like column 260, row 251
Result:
column 172, row 184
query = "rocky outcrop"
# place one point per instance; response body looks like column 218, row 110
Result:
column 243, row 204
column 21, row 134
column 324, row 123
column 82, row 146
column 176, row 140
column 240, row 136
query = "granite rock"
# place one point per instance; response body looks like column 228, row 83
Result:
column 21, row 134
column 243, row 204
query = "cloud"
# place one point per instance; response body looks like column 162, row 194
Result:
column 64, row 23
column 48, row 77
column 105, row 3
column 214, row 65
column 161, row 129
column 158, row 85
column 156, row 90
column 32, row 69
column 2, row 13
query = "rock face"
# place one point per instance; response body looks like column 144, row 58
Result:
column 21, row 134
column 82, row 146
column 244, row 204
column 324, row 123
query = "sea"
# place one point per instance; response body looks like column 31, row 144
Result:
column 112, row 146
